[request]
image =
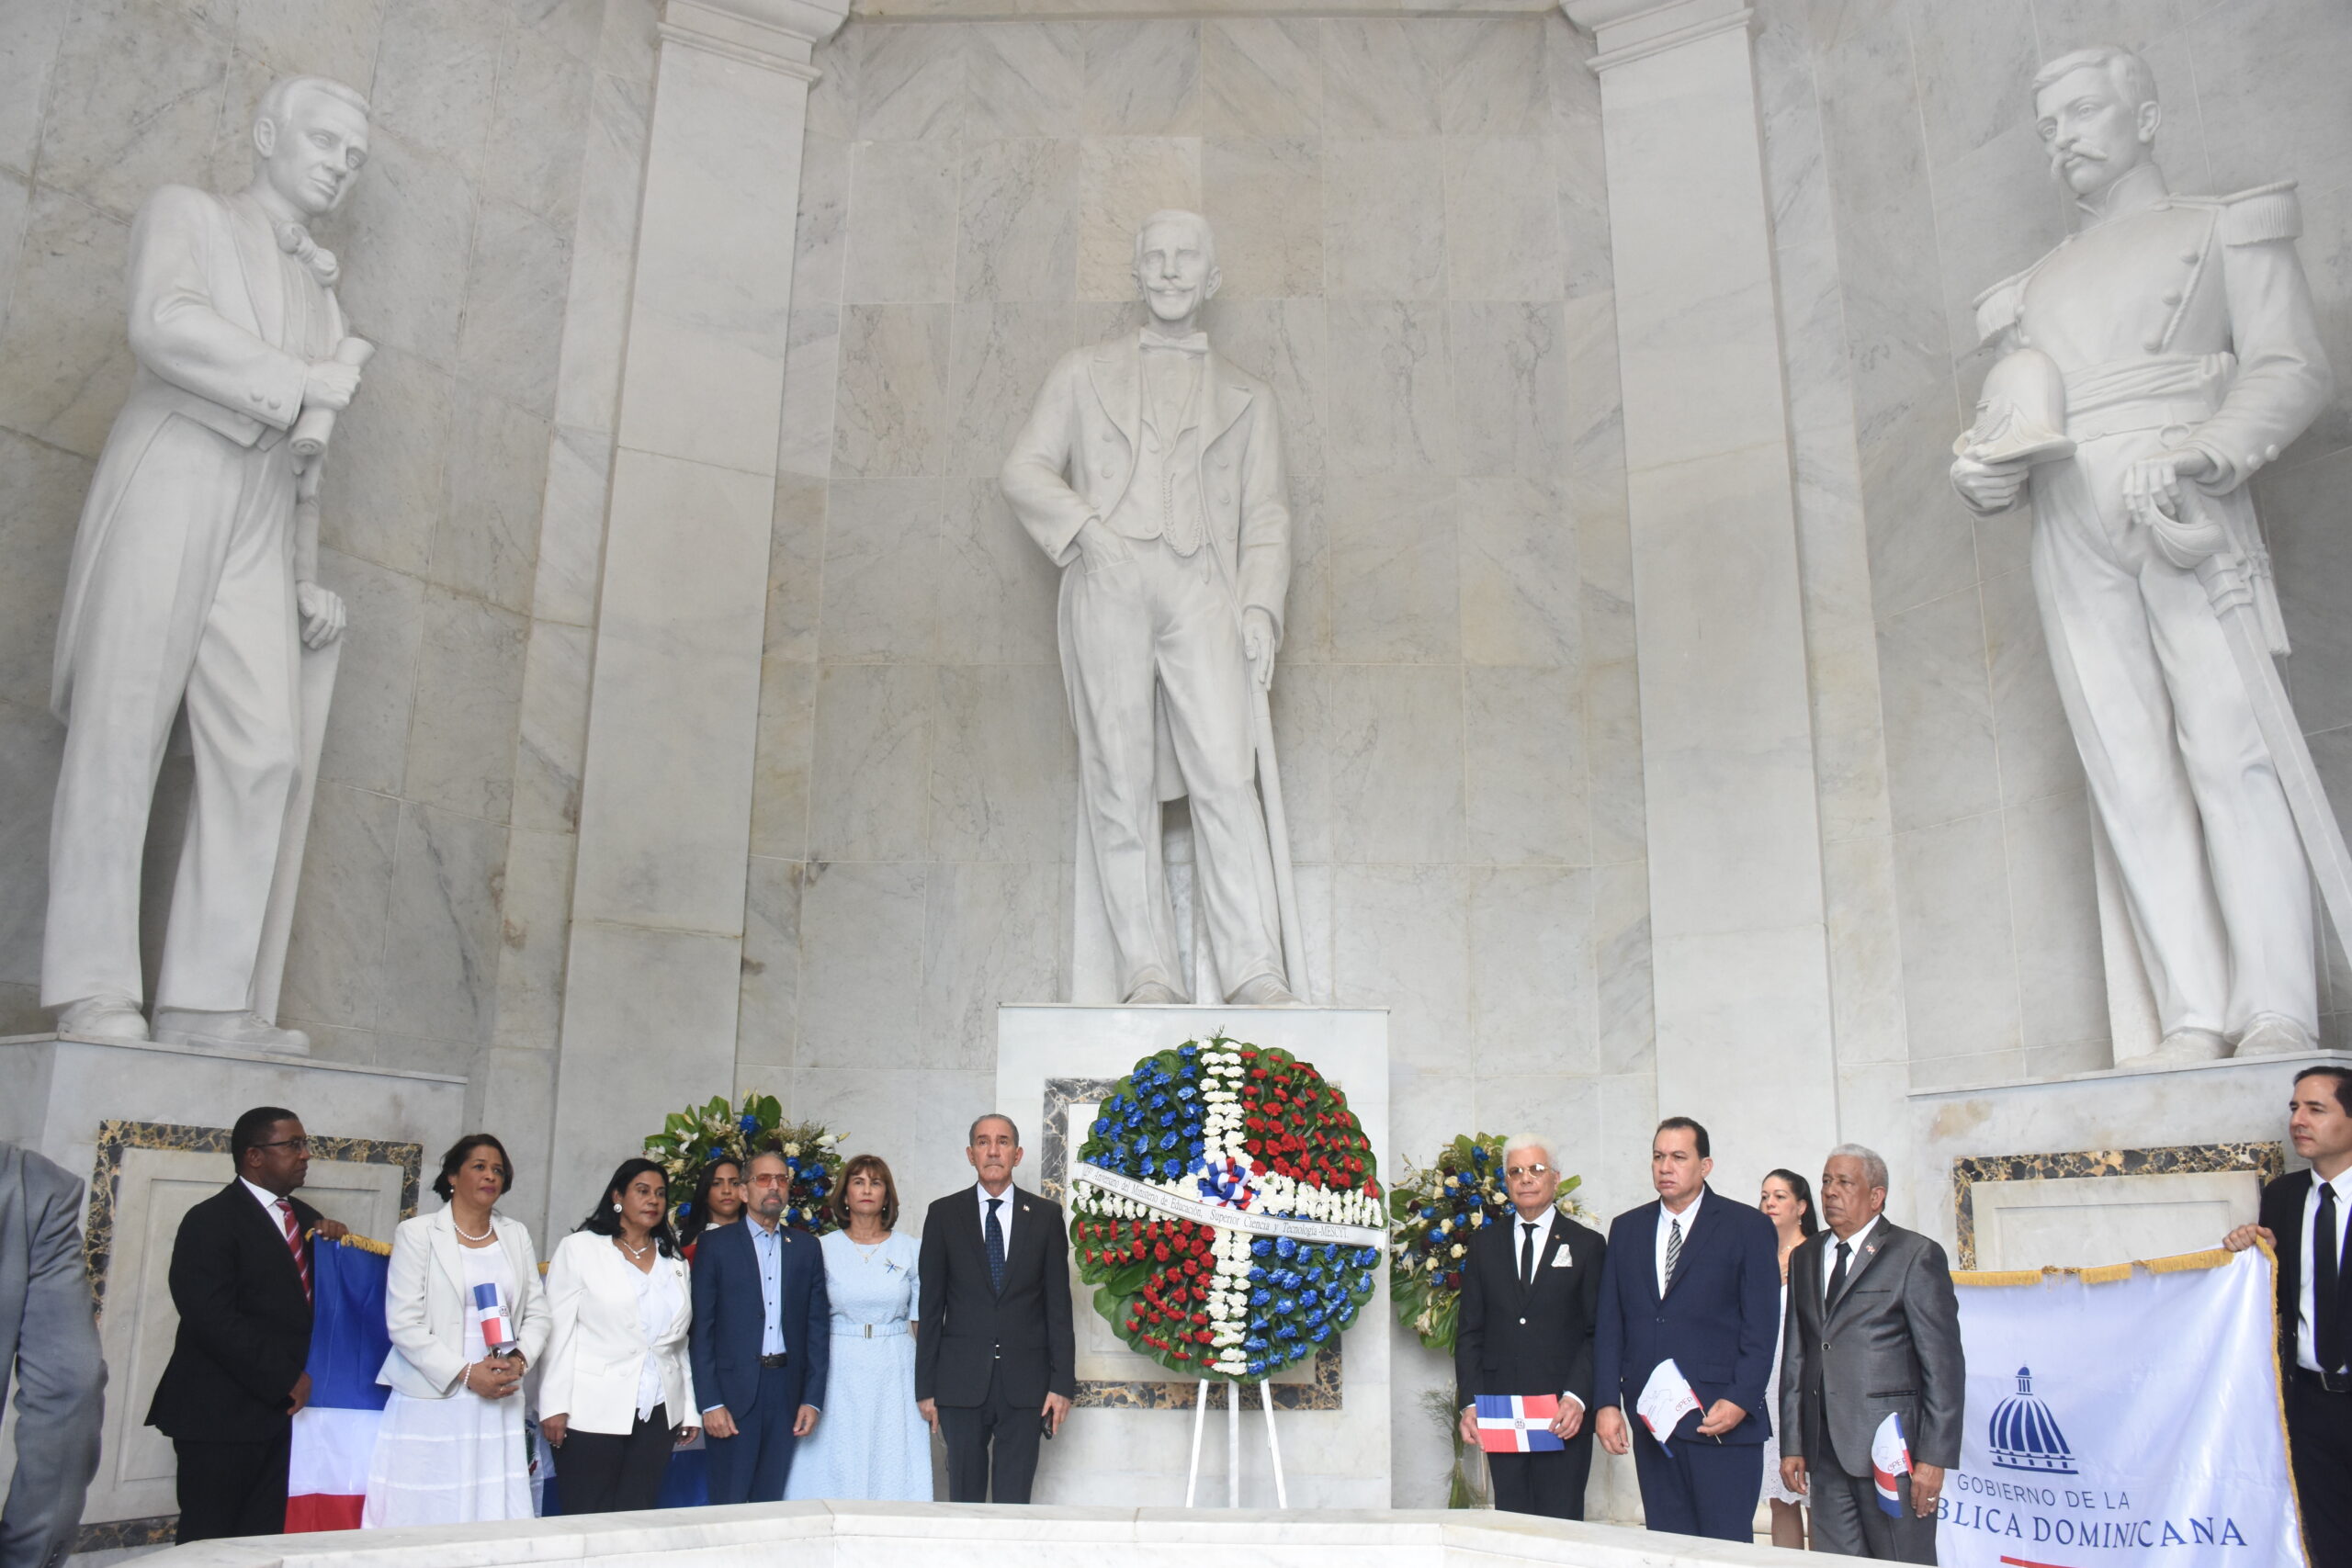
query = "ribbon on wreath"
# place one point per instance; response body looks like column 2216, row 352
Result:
column 1208, row 1214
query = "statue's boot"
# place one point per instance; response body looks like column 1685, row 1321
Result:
column 2275, row 1035
column 228, row 1030
column 1263, row 991
column 1152, row 994
column 105, row 1018
column 2179, row 1047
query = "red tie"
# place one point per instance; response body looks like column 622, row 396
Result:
column 294, row 1245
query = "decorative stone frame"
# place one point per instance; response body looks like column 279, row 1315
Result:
column 2267, row 1161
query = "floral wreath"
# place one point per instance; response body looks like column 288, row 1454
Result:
column 1435, row 1212
column 692, row 1139
column 1228, row 1209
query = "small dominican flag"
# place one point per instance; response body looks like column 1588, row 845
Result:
column 335, row 1434
column 1890, row 1457
column 490, row 1313
column 1518, row 1422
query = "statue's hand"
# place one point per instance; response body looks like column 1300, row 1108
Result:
column 1102, row 547
column 1258, row 643
column 2151, row 485
column 1988, row 487
column 330, row 384
column 323, row 615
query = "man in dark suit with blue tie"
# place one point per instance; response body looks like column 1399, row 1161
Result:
column 996, row 1366
column 1694, row 1277
column 762, row 1340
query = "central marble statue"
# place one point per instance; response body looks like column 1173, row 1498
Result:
column 1150, row 471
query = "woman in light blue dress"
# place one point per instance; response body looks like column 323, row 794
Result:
column 870, row 1441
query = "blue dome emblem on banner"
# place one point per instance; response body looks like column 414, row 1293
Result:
column 2025, row 1436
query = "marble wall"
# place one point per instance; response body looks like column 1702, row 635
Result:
column 1908, row 177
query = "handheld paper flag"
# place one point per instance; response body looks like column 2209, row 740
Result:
column 496, row 1332
column 1666, row 1399
column 1518, row 1422
column 1890, row 1457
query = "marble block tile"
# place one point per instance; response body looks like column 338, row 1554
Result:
column 991, row 935
column 820, row 234
column 870, row 790
column 1871, row 136
column 891, row 416
column 1959, row 966
column 65, row 366
column 1142, row 78
column 543, row 96
column 1531, row 979
column 1580, row 186
column 902, row 242
column 28, row 53
column 571, row 527
column 1022, row 79
column 1121, row 181
column 1262, row 75
column 1380, row 197
column 16, row 198
column 1564, row 1105
column 2038, row 755
column 227, row 163
column 534, row 929
column 1866, row 990
column 1395, row 743
column 1017, row 229
column 603, row 253
column 487, row 542
column 385, row 492
column 767, row 1022
column 1285, row 343
column 832, row 97
column 2065, row 26
column 41, row 491
column 1849, row 736
column 1396, row 594
column 781, row 764
column 1940, row 758
column 1605, row 563
column 442, row 937
column 1625, row 1025
column 2263, row 73
column 1520, row 580
column 881, row 563
column 1307, row 608
column 1511, row 378
column 997, row 589
column 1266, row 199
column 1613, row 746
column 910, row 83
column 552, row 731
column 1494, row 77
column 861, row 949
column 31, row 742
column 469, row 698
column 1922, row 545
column 1502, row 229
column 1524, row 741
column 1391, row 390
column 811, row 381
column 337, row 38
column 1400, row 935
column 795, row 568
column 1004, row 764
column 132, row 97
column 1976, row 73
column 2312, row 563
column 514, row 299
column 375, row 684
column 1381, row 76
column 436, row 72
column 335, row 961
column 1300, row 701
column 1997, row 211
column 1795, row 181
column 1000, row 356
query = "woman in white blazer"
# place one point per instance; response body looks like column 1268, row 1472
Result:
column 467, row 1316
column 617, row 1393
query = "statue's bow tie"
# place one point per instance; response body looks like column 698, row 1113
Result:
column 296, row 242
column 1197, row 343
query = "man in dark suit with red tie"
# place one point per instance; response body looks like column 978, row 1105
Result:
column 995, row 1365
column 241, row 1280
column 1531, row 1291
column 2304, row 1217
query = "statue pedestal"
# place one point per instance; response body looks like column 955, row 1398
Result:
column 147, row 1126
column 1129, row 1441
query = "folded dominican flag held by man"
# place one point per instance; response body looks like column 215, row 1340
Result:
column 1518, row 1422
column 335, row 1434
column 1890, row 1457
column 490, row 1313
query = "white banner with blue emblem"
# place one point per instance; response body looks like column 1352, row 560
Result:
column 2121, row 1416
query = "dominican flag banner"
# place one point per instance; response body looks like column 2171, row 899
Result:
column 1518, row 1422
column 335, row 1434
column 1890, row 1457
column 490, row 1313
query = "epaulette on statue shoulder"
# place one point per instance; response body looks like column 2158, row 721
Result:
column 1997, row 307
column 2256, row 215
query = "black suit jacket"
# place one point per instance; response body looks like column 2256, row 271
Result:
column 1511, row 1339
column 2282, row 1216
column 968, row 1330
column 244, row 1329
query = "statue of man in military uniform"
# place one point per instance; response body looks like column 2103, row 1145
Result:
column 2158, row 357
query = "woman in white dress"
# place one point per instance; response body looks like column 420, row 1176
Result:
column 873, row 1443
column 1787, row 1201
column 617, row 1393
column 450, row 1449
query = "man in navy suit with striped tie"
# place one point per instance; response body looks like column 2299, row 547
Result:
column 1694, row 1277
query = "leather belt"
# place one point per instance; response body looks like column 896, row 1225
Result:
column 2326, row 1383
column 778, row 1360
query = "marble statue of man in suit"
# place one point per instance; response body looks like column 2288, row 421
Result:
column 2172, row 351
column 1150, row 471
column 194, row 584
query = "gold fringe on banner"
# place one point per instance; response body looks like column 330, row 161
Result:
column 2098, row 1274
column 366, row 1244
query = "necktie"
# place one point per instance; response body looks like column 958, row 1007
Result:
column 1838, row 1274
column 996, row 1248
column 303, row 1265
column 1527, row 1252
column 1673, row 1251
column 2326, row 1307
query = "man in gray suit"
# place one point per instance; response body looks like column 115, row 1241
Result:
column 49, row 1340
column 1873, row 1331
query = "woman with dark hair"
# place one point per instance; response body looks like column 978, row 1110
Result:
column 467, row 1316
column 873, row 1443
column 718, row 1201
column 619, row 1392
column 1787, row 1201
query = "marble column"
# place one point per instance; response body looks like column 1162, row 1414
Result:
column 1745, row 1026
column 665, row 803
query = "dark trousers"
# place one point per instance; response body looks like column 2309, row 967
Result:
column 615, row 1473
column 1847, row 1518
column 750, row 1466
column 1701, row 1487
column 2319, row 1434
column 1001, row 1430
column 230, row 1489
column 1549, row 1483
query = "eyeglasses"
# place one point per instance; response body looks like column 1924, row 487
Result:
column 299, row 1146
column 1516, row 1171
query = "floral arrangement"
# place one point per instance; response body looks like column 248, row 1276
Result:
column 691, row 1139
column 1228, row 1209
column 1434, row 1215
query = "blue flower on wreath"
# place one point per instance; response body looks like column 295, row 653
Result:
column 1286, row 1247
column 748, row 1124
column 1259, row 1298
column 1261, row 1248
column 1321, row 1334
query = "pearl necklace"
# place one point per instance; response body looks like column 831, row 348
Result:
column 465, row 1235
